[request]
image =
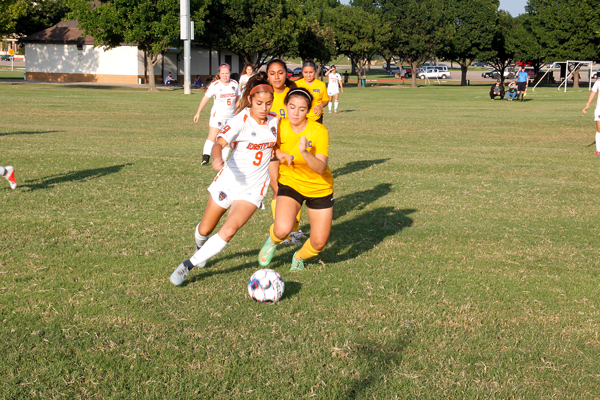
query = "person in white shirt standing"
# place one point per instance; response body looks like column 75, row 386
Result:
column 246, row 75
column 595, row 89
column 225, row 91
column 333, row 86
column 243, row 180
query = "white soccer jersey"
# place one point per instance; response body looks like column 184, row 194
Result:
column 224, row 96
column 252, row 146
column 243, row 82
column 334, row 82
column 596, row 88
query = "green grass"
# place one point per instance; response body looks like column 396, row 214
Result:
column 7, row 73
column 463, row 260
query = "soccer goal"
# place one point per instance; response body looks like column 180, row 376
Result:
column 571, row 67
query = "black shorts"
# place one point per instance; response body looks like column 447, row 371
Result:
column 521, row 86
column 315, row 203
column 320, row 120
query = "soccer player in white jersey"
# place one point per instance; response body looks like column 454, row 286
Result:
column 225, row 91
column 595, row 90
column 8, row 173
column 245, row 77
column 333, row 87
column 243, row 180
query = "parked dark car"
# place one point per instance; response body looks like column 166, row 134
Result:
column 297, row 71
column 6, row 57
column 479, row 64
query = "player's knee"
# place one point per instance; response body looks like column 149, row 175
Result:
column 318, row 243
column 281, row 231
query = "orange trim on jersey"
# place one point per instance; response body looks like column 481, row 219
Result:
column 272, row 114
column 234, row 145
column 263, row 189
column 245, row 117
column 220, row 172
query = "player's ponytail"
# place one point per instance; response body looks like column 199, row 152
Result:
column 253, row 82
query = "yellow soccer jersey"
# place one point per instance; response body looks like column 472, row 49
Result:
column 318, row 89
column 299, row 175
column 278, row 107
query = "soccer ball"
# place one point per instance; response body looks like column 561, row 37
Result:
column 266, row 286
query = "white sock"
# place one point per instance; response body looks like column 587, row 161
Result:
column 225, row 153
column 211, row 248
column 208, row 145
column 200, row 240
column 597, row 141
column 329, row 105
column 3, row 171
column 336, row 104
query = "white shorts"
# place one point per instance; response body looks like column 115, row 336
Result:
column 332, row 92
column 225, row 196
column 597, row 114
column 218, row 122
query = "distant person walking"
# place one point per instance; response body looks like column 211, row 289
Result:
column 595, row 90
column 402, row 74
column 522, row 83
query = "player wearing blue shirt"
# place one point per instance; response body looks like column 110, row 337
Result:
column 522, row 83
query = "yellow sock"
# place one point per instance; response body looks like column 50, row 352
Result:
column 307, row 251
column 297, row 221
column 274, row 238
column 273, row 205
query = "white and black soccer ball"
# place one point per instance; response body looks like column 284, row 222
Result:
column 266, row 286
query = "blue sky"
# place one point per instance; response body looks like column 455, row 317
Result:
column 514, row 7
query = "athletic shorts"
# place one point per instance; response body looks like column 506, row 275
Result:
column 332, row 92
column 597, row 114
column 225, row 196
column 521, row 86
column 320, row 120
column 315, row 203
column 218, row 122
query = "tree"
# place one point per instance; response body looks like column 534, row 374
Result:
column 359, row 35
column 525, row 45
column 40, row 15
column 253, row 29
column 568, row 29
column 418, row 28
column 471, row 31
column 152, row 25
column 10, row 11
column 502, row 53
column 316, row 42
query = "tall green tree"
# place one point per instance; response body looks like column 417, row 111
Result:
column 316, row 42
column 359, row 35
column 152, row 25
column 525, row 45
column 418, row 28
column 502, row 53
column 568, row 29
column 253, row 29
column 10, row 12
column 471, row 29
column 40, row 15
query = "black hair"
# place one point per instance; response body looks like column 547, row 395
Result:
column 288, row 82
column 299, row 92
column 255, row 80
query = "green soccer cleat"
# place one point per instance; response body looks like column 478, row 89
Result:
column 297, row 264
column 266, row 253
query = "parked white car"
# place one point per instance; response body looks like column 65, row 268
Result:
column 438, row 71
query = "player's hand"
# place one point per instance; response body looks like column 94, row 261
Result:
column 285, row 158
column 218, row 163
column 304, row 145
column 585, row 109
column 342, row 91
column 196, row 117
column 318, row 110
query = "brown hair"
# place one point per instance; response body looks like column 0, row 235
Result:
column 299, row 92
column 246, row 67
column 258, row 79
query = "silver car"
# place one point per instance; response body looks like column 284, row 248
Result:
column 439, row 71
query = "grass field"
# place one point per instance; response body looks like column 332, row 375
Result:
column 463, row 261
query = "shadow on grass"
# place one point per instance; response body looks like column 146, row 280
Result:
column 376, row 361
column 357, row 166
column 75, row 176
column 26, row 133
column 291, row 289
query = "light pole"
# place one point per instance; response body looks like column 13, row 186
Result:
column 187, row 44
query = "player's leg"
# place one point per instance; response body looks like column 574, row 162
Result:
column 336, row 103
column 597, row 136
column 274, row 175
column 208, row 145
column 285, row 217
column 320, row 228
column 8, row 173
column 329, row 105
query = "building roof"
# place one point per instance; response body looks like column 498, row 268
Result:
column 65, row 32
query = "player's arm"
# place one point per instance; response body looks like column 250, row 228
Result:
column 590, row 99
column 217, row 154
column 282, row 156
column 341, row 86
column 317, row 163
column 200, row 107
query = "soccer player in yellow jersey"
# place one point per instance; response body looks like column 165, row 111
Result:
column 307, row 178
column 317, row 89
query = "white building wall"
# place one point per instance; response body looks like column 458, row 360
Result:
column 66, row 59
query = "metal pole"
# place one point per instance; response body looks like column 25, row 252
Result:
column 185, row 36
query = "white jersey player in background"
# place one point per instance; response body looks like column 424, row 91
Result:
column 225, row 91
column 595, row 90
column 334, row 85
column 243, row 180
column 245, row 77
